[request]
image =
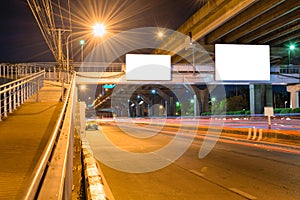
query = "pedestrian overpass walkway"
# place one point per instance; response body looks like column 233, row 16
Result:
column 23, row 137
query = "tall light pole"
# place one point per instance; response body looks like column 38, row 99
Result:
column 291, row 48
column 82, row 42
column 67, row 47
column 99, row 30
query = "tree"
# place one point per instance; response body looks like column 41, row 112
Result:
column 236, row 103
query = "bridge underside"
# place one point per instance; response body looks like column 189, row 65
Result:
column 274, row 23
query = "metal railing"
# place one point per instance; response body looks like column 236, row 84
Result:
column 286, row 69
column 52, row 176
column 16, row 71
column 15, row 93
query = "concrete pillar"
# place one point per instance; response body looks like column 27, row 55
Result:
column 198, row 100
column 196, row 110
column 149, row 110
column 260, row 96
column 294, row 96
column 294, row 100
column 269, row 96
column 137, row 109
column 204, row 100
column 171, row 107
column 252, row 99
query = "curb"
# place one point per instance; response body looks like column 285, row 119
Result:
column 93, row 181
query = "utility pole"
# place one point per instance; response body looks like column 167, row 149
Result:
column 59, row 49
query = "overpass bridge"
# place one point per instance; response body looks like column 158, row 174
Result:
column 200, row 84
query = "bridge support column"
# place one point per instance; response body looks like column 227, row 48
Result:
column 294, row 95
column 171, row 107
column 204, row 100
column 260, row 96
column 137, row 109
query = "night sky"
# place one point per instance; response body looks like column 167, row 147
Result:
column 21, row 40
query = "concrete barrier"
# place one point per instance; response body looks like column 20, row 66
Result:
column 93, row 181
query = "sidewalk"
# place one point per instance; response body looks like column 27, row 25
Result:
column 23, row 136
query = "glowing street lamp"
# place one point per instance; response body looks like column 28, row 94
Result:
column 83, row 87
column 292, row 47
column 82, row 42
column 160, row 34
column 99, row 29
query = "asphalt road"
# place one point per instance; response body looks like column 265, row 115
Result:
column 232, row 169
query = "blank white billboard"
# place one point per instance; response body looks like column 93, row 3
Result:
column 143, row 67
column 241, row 62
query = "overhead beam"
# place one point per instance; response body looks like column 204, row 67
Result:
column 207, row 9
column 279, row 34
column 288, row 38
column 250, row 13
column 201, row 24
column 223, row 14
column 272, row 26
column 273, row 14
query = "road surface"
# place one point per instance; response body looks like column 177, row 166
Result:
column 233, row 169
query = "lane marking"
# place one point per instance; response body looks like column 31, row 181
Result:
column 197, row 173
column 234, row 190
column 242, row 193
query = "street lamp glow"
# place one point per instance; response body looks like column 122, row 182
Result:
column 81, row 42
column 83, row 87
column 99, row 29
column 160, row 34
column 292, row 47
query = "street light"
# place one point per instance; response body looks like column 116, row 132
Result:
column 67, row 47
column 285, row 102
column 81, row 42
column 99, row 29
column 160, row 34
column 291, row 48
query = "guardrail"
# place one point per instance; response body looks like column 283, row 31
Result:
column 16, row 71
column 15, row 93
column 52, row 177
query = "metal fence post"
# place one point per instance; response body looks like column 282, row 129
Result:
column 18, row 95
column 0, row 109
column 10, row 101
column 29, row 90
column 15, row 98
column 5, row 103
column 37, row 89
column 22, row 89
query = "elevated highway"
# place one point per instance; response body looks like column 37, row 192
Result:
column 274, row 23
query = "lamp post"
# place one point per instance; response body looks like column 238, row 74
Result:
column 99, row 30
column 285, row 102
column 81, row 42
column 68, row 59
column 291, row 48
